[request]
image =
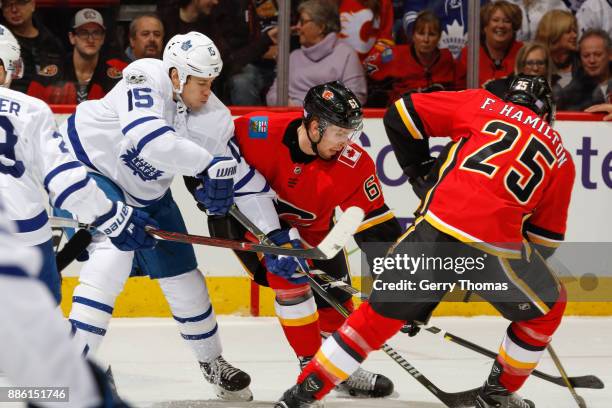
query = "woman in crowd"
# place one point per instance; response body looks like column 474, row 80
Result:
column 420, row 66
column 499, row 23
column 558, row 30
column 322, row 56
column 532, row 59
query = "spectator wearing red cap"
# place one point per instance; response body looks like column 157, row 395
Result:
column 86, row 74
column 41, row 51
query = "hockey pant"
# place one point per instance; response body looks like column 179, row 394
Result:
column 303, row 315
column 534, row 302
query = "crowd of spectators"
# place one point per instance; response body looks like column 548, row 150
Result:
column 380, row 49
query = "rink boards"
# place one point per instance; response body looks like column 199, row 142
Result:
column 590, row 144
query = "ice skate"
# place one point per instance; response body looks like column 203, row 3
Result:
column 363, row 383
column 302, row 395
column 231, row 383
column 496, row 396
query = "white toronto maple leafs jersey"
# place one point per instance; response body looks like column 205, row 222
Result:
column 34, row 158
column 15, row 258
column 135, row 136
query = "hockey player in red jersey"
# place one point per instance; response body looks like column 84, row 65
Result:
column 309, row 160
column 505, row 173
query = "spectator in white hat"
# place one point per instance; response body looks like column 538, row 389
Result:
column 86, row 74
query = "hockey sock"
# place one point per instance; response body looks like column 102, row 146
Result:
column 341, row 354
column 330, row 319
column 296, row 310
column 94, row 298
column 187, row 295
column 523, row 345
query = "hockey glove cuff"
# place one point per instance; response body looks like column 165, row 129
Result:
column 125, row 226
column 287, row 266
column 217, row 190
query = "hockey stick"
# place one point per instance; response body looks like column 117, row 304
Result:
column 327, row 249
column 579, row 400
column 450, row 399
column 585, row 381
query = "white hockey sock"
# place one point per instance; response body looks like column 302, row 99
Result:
column 188, row 298
column 101, row 280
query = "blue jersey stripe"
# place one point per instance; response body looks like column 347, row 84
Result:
column 58, row 170
column 73, row 136
column 202, row 336
column 92, row 303
column 13, row 271
column 152, row 135
column 245, row 179
column 32, row 224
column 199, row 318
column 59, row 201
column 137, row 122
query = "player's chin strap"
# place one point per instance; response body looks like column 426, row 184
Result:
column 322, row 126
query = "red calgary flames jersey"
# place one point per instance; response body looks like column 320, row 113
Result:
column 308, row 192
column 505, row 165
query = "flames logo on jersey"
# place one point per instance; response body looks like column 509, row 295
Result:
column 294, row 215
column 140, row 167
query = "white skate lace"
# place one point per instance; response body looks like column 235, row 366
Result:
column 221, row 369
column 361, row 380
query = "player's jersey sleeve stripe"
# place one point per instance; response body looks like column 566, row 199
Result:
column 243, row 181
column 58, row 170
column 13, row 271
column 79, row 151
column 137, row 122
column 32, row 224
column 407, row 119
column 69, row 190
column 153, row 135
column 234, row 150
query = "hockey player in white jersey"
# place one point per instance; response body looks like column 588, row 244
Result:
column 32, row 329
column 35, row 159
column 134, row 141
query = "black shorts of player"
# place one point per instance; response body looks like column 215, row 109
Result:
column 228, row 227
column 520, row 289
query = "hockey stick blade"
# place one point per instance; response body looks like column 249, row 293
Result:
column 344, row 229
column 462, row 399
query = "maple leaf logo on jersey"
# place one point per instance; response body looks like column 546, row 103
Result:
column 454, row 37
column 349, row 156
column 140, row 167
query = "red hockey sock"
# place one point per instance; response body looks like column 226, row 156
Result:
column 330, row 319
column 296, row 310
column 524, row 344
column 342, row 353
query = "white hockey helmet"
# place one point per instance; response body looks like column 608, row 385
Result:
column 10, row 55
column 192, row 54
